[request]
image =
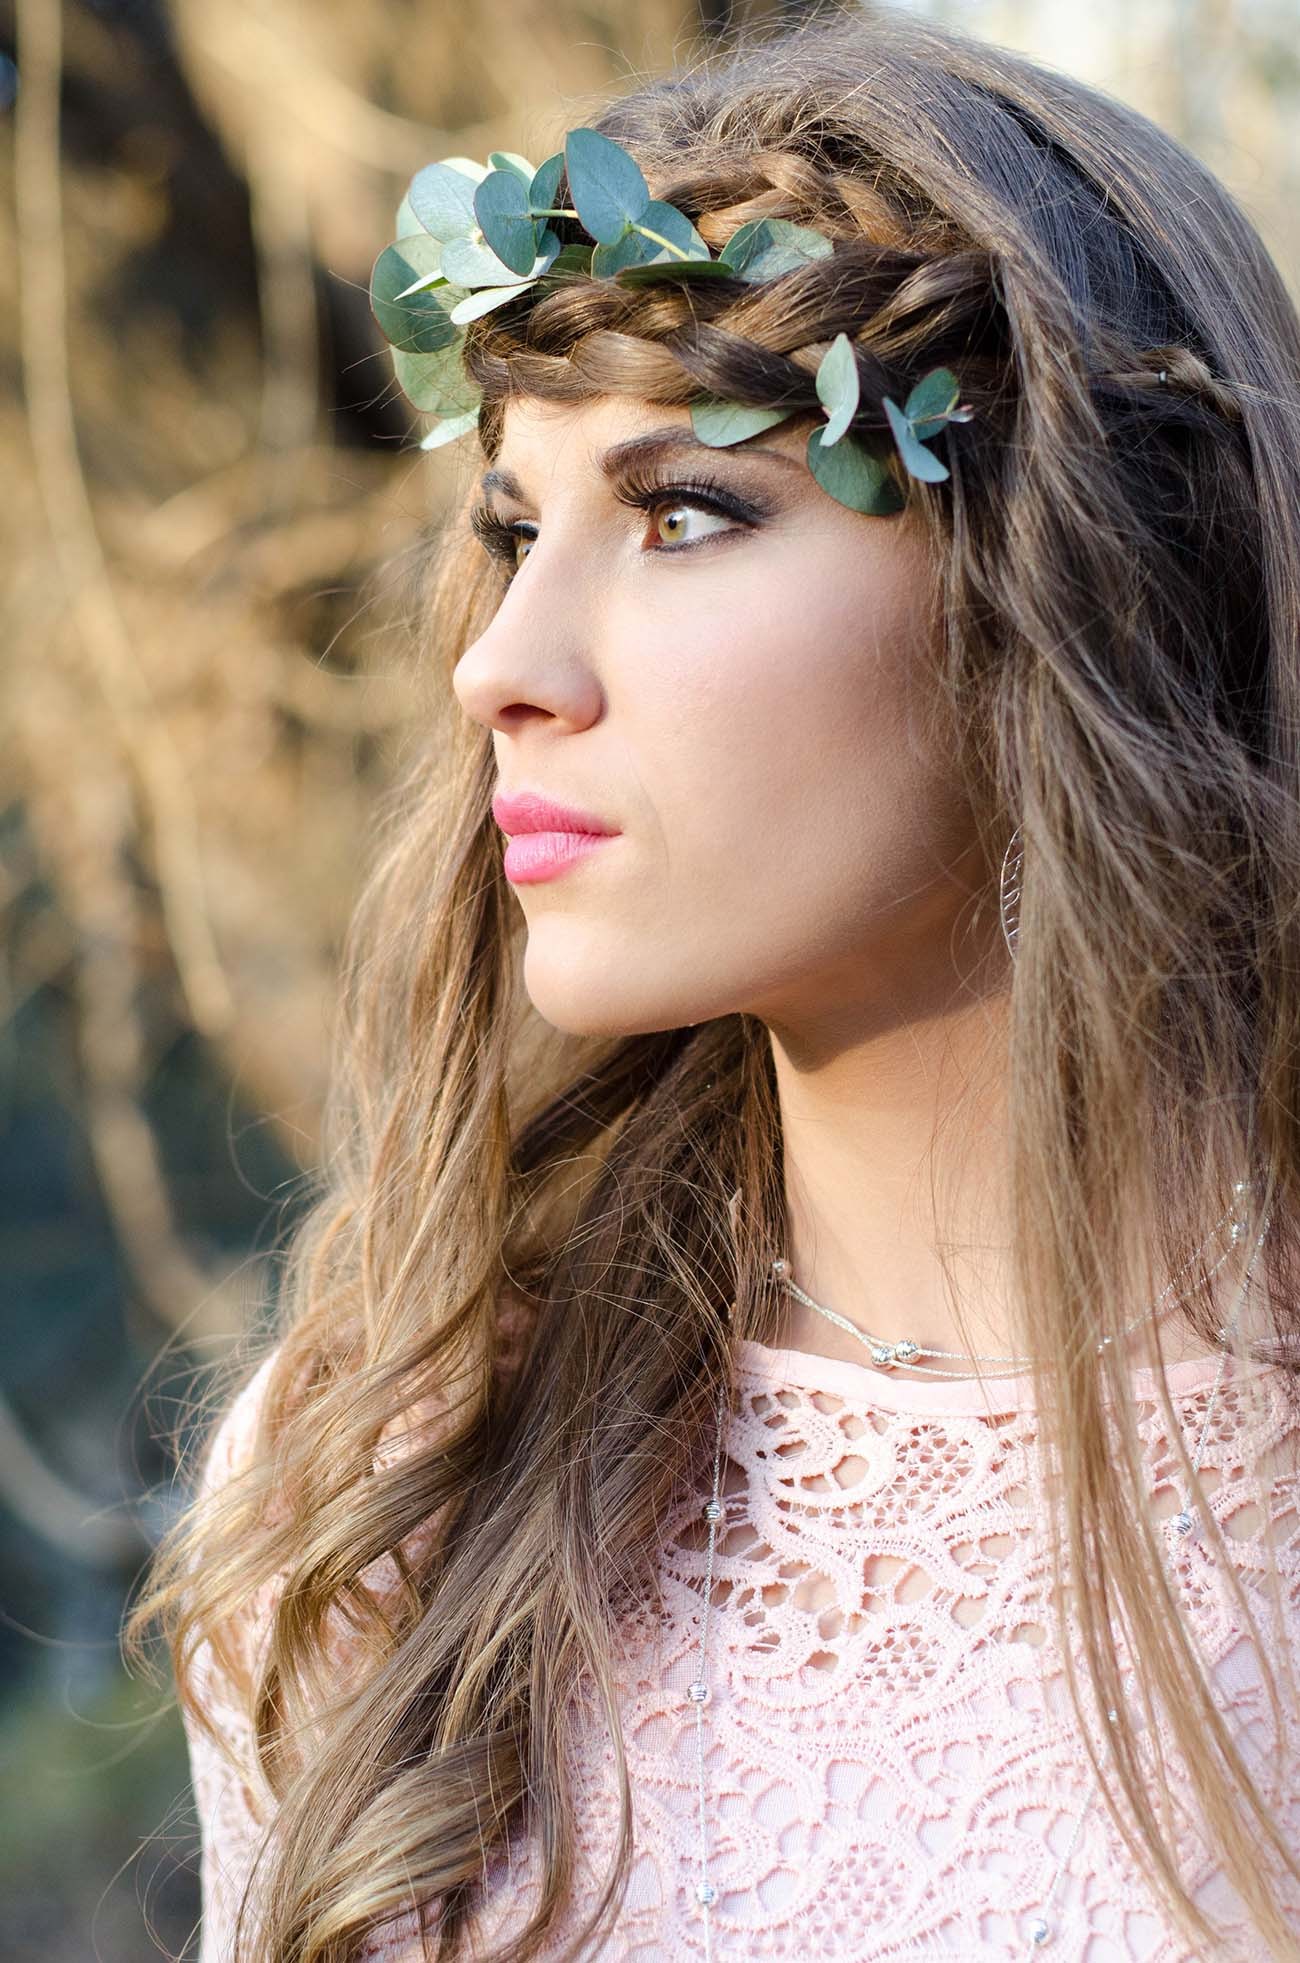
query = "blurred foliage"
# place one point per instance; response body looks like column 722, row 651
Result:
column 214, row 503
column 214, row 507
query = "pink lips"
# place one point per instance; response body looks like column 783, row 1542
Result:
column 545, row 838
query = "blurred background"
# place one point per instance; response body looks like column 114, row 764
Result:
column 211, row 497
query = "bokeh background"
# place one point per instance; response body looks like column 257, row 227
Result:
column 211, row 498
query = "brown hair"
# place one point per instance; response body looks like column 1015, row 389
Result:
column 1120, row 569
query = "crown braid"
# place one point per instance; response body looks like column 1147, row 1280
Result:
column 663, row 344
column 618, row 301
column 902, row 311
column 903, row 302
column 822, row 296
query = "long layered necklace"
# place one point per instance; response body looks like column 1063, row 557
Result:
column 904, row 1353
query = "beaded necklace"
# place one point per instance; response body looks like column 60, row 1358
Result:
column 892, row 1356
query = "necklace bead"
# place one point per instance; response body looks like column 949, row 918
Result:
column 890, row 1355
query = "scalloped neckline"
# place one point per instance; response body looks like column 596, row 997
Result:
column 843, row 1377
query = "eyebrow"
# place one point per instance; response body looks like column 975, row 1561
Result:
column 672, row 439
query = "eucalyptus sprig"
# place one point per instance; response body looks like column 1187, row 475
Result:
column 472, row 237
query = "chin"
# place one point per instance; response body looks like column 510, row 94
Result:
column 585, row 994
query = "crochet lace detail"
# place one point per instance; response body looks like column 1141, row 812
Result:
column 894, row 1768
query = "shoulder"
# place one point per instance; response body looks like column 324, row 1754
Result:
column 230, row 1440
column 230, row 1444
column 221, row 1661
column 236, row 1434
column 246, row 1434
column 236, row 1511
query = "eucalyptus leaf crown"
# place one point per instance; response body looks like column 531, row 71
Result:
column 473, row 237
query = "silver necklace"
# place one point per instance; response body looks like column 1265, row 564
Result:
column 1181, row 1524
column 888, row 1355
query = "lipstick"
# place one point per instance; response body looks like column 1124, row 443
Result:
column 545, row 838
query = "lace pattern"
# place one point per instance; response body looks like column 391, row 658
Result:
column 893, row 1762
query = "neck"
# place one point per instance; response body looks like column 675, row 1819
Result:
column 895, row 1176
column 895, row 1156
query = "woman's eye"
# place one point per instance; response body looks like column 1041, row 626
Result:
column 670, row 513
column 674, row 507
column 678, row 509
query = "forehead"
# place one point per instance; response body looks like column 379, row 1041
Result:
column 559, row 441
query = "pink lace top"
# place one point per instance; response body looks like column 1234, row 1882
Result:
column 893, row 1766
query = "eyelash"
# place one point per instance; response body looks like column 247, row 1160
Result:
column 643, row 494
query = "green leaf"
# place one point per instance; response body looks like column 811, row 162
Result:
column 571, row 261
column 719, row 423
column 853, row 477
column 917, row 460
column 436, row 381
column 449, row 429
column 662, row 269
column 420, row 253
column 501, row 208
column 838, row 389
column 484, row 295
column 442, row 198
column 415, row 320
column 470, row 264
column 676, row 227
column 474, row 305
column 932, row 401
column 629, row 249
column 426, row 281
column 635, row 249
column 546, row 182
column 548, row 250
column 764, row 248
column 467, row 166
column 511, row 160
column 406, row 222
column 609, row 193
column 476, row 265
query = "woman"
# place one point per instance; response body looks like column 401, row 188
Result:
column 933, row 984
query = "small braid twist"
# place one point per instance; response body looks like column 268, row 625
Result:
column 1181, row 370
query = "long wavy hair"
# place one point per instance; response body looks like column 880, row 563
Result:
column 553, row 1243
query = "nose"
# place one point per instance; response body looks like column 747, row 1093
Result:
column 532, row 663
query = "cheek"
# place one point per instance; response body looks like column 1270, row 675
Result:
column 777, row 743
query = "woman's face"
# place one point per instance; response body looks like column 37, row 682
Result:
column 742, row 694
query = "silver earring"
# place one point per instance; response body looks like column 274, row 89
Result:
column 1009, row 891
